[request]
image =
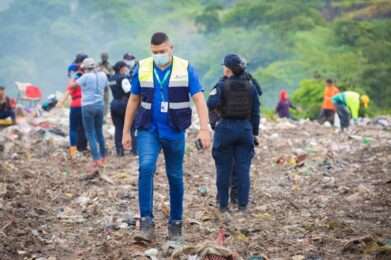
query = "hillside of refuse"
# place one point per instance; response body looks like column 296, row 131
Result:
column 316, row 194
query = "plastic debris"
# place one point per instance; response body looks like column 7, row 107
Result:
column 310, row 188
column 152, row 253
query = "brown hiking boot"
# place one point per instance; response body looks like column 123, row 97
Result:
column 146, row 232
column 72, row 151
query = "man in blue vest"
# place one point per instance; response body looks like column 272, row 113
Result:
column 161, row 89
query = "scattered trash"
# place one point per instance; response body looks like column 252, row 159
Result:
column 257, row 257
column 383, row 122
column 170, row 246
column 152, row 253
column 69, row 215
column 204, row 251
column 203, row 191
column 310, row 188
column 298, row 257
column 83, row 201
column 367, row 245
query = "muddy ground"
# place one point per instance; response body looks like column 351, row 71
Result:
column 316, row 194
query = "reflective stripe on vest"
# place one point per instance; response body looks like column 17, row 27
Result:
column 179, row 79
column 146, row 105
column 179, row 105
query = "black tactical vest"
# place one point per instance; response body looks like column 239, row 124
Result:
column 116, row 87
column 237, row 99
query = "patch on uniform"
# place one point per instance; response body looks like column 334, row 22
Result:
column 213, row 92
column 126, row 86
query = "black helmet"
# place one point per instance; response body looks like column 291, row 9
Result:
column 128, row 56
column 235, row 63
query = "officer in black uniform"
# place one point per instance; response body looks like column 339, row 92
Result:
column 214, row 117
column 120, row 89
column 236, row 100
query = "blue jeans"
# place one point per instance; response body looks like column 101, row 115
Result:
column 149, row 145
column 75, row 124
column 93, row 127
column 233, row 149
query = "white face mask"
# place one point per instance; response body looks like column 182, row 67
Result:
column 161, row 59
column 130, row 63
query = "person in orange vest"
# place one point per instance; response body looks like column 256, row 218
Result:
column 328, row 109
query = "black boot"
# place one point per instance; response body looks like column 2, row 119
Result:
column 234, row 200
column 175, row 231
column 224, row 210
column 147, row 230
column 243, row 208
column 120, row 152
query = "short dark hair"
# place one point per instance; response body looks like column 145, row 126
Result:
column 159, row 38
column 329, row 81
column 2, row 88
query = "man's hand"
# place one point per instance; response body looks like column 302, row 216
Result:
column 204, row 136
column 202, row 110
column 133, row 103
column 127, row 141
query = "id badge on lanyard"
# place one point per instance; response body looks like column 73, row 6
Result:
column 164, row 103
column 164, row 107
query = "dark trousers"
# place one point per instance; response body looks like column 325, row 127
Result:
column 76, row 129
column 81, row 139
column 7, row 113
column 233, row 149
column 327, row 115
column 233, row 187
column 118, row 109
column 344, row 115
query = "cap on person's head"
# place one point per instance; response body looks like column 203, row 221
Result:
column 119, row 65
column 88, row 63
column 2, row 88
column 283, row 95
column 329, row 81
column 365, row 100
column 159, row 38
column 128, row 56
column 235, row 63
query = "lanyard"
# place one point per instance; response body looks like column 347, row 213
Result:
column 162, row 82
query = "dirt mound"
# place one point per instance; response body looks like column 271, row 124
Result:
column 316, row 194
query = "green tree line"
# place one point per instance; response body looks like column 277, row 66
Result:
column 293, row 44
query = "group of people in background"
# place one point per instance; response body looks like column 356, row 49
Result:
column 151, row 110
column 348, row 105
column 88, row 89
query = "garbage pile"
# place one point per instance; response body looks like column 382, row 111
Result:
column 44, row 133
column 39, row 133
column 316, row 194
